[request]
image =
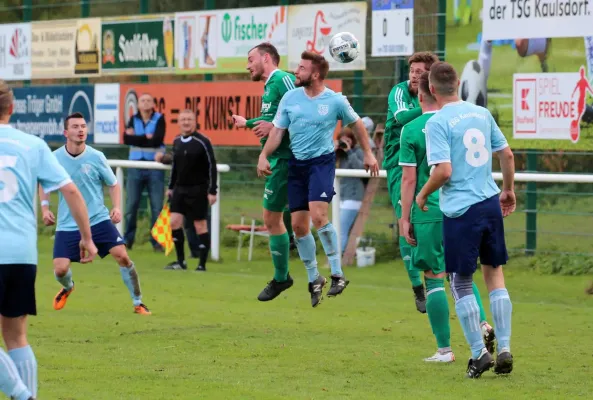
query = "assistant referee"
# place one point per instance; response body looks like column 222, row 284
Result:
column 192, row 186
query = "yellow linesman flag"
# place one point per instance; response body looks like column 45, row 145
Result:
column 161, row 231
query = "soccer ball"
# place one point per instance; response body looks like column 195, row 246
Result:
column 473, row 87
column 344, row 47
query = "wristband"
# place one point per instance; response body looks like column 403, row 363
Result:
column 44, row 203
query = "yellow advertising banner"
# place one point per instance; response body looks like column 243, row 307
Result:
column 66, row 49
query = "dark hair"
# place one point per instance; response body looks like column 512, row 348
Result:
column 319, row 63
column 424, row 86
column 269, row 49
column 71, row 116
column 5, row 98
column 425, row 57
column 443, row 78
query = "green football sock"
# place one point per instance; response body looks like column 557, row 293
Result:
column 287, row 222
column 279, row 247
column 406, row 252
column 479, row 300
column 437, row 308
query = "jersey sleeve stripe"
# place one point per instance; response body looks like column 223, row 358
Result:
column 288, row 83
column 58, row 186
column 406, row 164
column 504, row 146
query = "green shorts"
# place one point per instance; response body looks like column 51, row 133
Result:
column 429, row 254
column 394, row 186
column 276, row 188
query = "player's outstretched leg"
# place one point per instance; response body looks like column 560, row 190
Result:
column 468, row 313
column 10, row 382
column 63, row 275
column 279, row 249
column 329, row 240
column 502, row 309
column 307, row 252
column 130, row 277
column 437, row 308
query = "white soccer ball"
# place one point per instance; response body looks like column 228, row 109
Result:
column 344, row 47
column 473, row 87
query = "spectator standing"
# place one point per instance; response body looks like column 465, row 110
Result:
column 145, row 134
column 349, row 156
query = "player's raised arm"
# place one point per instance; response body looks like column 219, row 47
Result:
column 400, row 110
column 281, row 123
column 438, row 154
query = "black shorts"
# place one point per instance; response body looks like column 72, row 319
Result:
column 17, row 290
column 191, row 202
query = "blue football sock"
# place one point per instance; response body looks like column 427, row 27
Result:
column 468, row 313
column 307, row 253
column 130, row 278
column 66, row 280
column 11, row 383
column 26, row 363
column 502, row 308
column 329, row 240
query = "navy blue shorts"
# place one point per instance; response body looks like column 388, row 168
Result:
column 17, row 290
column 311, row 180
column 479, row 232
column 105, row 236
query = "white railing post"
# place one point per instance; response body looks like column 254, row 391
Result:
column 215, row 224
column 336, row 211
column 119, row 174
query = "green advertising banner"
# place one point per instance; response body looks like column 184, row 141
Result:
column 138, row 45
column 518, row 78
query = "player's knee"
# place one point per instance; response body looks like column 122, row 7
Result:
column 120, row 255
column 299, row 229
column 431, row 275
column 461, row 286
column 272, row 220
column 176, row 221
column 14, row 332
column 201, row 227
column 61, row 266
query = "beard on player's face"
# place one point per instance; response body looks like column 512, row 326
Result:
column 257, row 71
column 303, row 81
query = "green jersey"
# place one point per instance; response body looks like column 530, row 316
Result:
column 278, row 83
column 402, row 108
column 413, row 154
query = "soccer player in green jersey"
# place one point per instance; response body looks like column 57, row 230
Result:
column 403, row 107
column 424, row 230
column 262, row 63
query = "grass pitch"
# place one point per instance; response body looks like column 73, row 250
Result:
column 209, row 338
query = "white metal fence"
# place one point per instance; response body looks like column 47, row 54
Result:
column 119, row 165
column 340, row 173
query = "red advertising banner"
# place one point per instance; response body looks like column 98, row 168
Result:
column 213, row 103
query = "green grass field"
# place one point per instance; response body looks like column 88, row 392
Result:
column 565, row 55
column 209, row 338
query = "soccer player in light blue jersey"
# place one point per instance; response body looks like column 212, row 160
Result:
column 310, row 113
column 26, row 160
column 88, row 168
column 460, row 141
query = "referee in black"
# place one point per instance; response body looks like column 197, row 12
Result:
column 192, row 186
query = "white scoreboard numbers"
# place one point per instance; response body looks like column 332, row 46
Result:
column 392, row 28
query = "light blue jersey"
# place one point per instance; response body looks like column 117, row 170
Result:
column 25, row 160
column 465, row 135
column 311, row 122
column 89, row 170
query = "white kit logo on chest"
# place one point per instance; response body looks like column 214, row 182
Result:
column 322, row 109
